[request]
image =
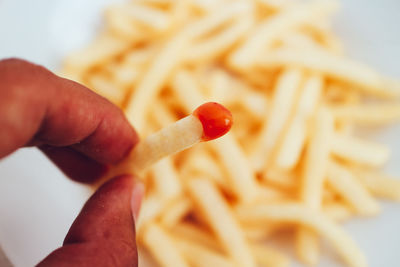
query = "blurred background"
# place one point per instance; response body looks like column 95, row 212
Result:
column 38, row 204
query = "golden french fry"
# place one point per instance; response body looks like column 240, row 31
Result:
column 221, row 220
column 293, row 143
column 379, row 184
column 334, row 66
column 269, row 257
column 298, row 213
column 280, row 111
column 201, row 256
column 359, row 151
column 344, row 182
column 369, row 115
column 162, row 247
column 266, row 32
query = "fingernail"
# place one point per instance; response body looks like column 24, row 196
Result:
column 137, row 196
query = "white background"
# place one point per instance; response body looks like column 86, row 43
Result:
column 37, row 204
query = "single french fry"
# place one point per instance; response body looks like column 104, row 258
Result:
column 103, row 49
column 163, row 143
column 162, row 247
column 241, row 176
column 196, row 234
column 359, row 151
column 150, row 17
column 166, row 180
column 105, row 87
column 119, row 23
column 297, row 213
column 269, row 257
column 293, row 143
column 281, row 178
column 178, row 136
column 201, row 256
column 283, row 100
column 379, row 184
column 344, row 182
column 314, row 171
column 221, row 220
column 151, row 208
column 175, row 212
column 337, row 211
column 187, row 90
column 334, row 66
column 368, row 115
column 267, row 31
column 215, row 46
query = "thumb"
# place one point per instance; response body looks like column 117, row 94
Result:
column 103, row 234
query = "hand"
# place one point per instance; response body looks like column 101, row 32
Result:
column 82, row 133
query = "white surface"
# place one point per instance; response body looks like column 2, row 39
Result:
column 37, row 204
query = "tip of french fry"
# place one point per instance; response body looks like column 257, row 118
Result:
column 215, row 118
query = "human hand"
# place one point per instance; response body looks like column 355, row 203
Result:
column 82, row 133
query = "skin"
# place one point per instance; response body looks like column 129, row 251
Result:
column 82, row 133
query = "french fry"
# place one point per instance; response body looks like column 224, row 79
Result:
column 269, row 257
column 294, row 140
column 170, row 57
column 200, row 256
column 292, row 162
column 285, row 94
column 334, row 66
column 150, row 17
column 299, row 214
column 175, row 212
column 337, row 211
column 312, row 185
column 221, row 220
column 104, row 48
column 368, row 115
column 263, row 35
column 359, row 151
column 379, row 184
column 214, row 47
column 166, row 179
column 162, row 247
column 194, row 233
column 191, row 130
column 344, row 182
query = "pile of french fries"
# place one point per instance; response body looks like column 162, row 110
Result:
column 292, row 162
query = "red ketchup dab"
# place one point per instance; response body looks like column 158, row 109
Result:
column 215, row 118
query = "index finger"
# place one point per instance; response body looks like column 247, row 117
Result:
column 39, row 107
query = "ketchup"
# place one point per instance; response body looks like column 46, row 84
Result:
column 215, row 118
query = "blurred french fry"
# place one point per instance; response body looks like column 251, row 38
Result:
column 175, row 212
column 200, row 256
column 334, row 66
column 221, row 220
column 359, row 151
column 369, row 115
column 293, row 143
column 197, row 234
column 337, row 211
column 166, row 179
column 314, row 171
column 105, row 47
column 299, row 214
column 344, row 182
column 162, row 247
column 266, row 32
column 285, row 95
column 268, row 257
column 379, row 184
